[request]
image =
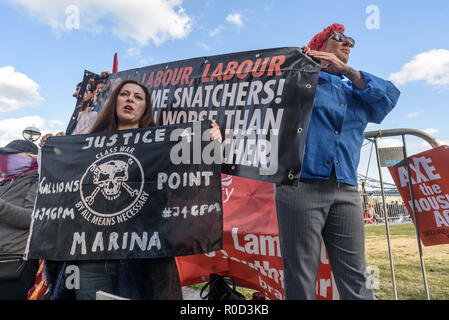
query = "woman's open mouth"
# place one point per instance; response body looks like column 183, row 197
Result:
column 128, row 108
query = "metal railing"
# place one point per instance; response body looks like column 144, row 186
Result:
column 400, row 132
column 373, row 136
column 373, row 211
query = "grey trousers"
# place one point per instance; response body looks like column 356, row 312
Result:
column 312, row 210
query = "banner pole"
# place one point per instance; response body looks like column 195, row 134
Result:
column 415, row 218
column 393, row 281
column 115, row 64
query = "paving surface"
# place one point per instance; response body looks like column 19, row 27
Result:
column 190, row 294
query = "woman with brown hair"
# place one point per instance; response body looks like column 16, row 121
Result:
column 129, row 107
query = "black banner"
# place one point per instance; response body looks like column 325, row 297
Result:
column 262, row 101
column 143, row 193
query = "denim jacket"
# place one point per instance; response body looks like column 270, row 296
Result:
column 340, row 115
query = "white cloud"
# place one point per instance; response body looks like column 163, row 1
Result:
column 431, row 130
column 268, row 6
column 17, row 90
column 203, row 45
column 216, row 31
column 11, row 129
column 424, row 145
column 147, row 61
column 133, row 52
column 431, row 66
column 135, row 20
column 389, row 142
column 414, row 114
column 235, row 18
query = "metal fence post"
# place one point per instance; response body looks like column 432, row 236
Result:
column 393, row 281
column 412, row 197
column 433, row 143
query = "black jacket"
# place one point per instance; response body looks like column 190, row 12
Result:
column 17, row 197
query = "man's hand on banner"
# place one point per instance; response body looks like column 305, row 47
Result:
column 331, row 63
column 305, row 49
column 215, row 133
column 48, row 135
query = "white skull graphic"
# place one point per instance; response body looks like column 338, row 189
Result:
column 109, row 177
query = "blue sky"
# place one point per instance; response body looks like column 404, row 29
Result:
column 46, row 48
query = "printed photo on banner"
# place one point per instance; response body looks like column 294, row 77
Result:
column 91, row 96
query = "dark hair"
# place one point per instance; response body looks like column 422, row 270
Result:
column 107, row 118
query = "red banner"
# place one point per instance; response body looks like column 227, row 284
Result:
column 251, row 253
column 40, row 287
column 430, row 180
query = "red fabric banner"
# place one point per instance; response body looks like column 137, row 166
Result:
column 40, row 288
column 251, row 253
column 430, row 180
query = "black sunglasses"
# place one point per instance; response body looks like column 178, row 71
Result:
column 340, row 37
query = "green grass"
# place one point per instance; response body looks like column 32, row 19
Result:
column 397, row 230
column 407, row 266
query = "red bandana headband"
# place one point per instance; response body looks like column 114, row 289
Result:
column 318, row 42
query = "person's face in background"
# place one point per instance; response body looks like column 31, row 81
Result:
column 130, row 106
column 87, row 96
column 99, row 86
column 75, row 94
column 14, row 163
column 97, row 91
